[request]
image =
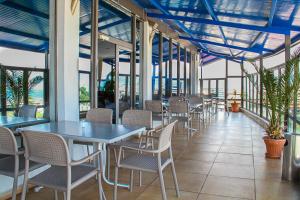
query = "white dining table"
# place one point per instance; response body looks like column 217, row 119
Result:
column 99, row 134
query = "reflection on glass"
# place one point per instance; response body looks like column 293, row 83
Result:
column 84, row 91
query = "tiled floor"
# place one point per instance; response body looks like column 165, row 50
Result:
column 224, row 161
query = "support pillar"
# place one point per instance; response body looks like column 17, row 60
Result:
column 94, row 54
column 178, row 69
column 184, row 74
column 64, row 55
column 170, row 67
column 194, row 73
column 160, row 52
column 146, row 62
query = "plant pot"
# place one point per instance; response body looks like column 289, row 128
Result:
column 235, row 107
column 274, row 147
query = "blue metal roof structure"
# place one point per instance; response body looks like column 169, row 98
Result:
column 24, row 24
column 233, row 29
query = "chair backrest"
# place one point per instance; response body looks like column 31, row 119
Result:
column 179, row 107
column 154, row 105
column 103, row 115
column 165, row 137
column 175, row 99
column 27, row 111
column 195, row 100
column 137, row 118
column 8, row 143
column 46, row 148
column 46, row 114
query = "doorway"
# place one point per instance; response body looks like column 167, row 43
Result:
column 114, row 78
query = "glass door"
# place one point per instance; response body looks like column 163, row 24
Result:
column 114, row 78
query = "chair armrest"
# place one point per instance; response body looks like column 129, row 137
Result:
column 139, row 149
column 85, row 159
column 20, row 152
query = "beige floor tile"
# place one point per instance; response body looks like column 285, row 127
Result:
column 192, row 166
column 201, row 156
column 187, row 182
column 154, row 193
column 232, row 158
column 215, row 197
column 265, row 172
column 204, row 147
column 236, row 149
column 276, row 190
column 231, row 187
column 230, row 170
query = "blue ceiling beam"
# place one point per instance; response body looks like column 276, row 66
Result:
column 179, row 24
column 19, row 46
column 25, row 9
column 270, row 21
column 196, row 33
column 215, row 18
column 86, row 30
column 23, row 34
column 224, row 56
column 272, row 12
column 272, row 29
column 218, row 13
column 253, row 49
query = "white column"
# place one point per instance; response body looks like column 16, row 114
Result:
column 64, row 53
column 146, row 66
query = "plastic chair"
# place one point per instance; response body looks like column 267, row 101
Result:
column 102, row 115
column 145, row 161
column 157, row 109
column 13, row 164
column 180, row 111
column 136, row 118
column 27, row 111
column 64, row 174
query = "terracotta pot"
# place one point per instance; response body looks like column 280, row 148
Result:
column 235, row 107
column 274, row 147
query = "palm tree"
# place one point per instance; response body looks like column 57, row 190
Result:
column 280, row 93
column 15, row 87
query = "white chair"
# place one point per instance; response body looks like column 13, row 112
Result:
column 64, row 174
column 157, row 109
column 12, row 164
column 180, row 111
column 27, row 111
column 101, row 115
column 146, row 161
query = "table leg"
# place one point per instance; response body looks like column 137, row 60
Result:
column 103, row 163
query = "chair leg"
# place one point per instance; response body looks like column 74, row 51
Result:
column 162, row 184
column 14, row 189
column 24, row 190
column 175, row 179
column 55, row 195
column 108, row 163
column 116, row 183
column 131, row 181
column 68, row 194
column 140, row 178
column 101, row 193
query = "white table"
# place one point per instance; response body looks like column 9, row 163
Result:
column 98, row 134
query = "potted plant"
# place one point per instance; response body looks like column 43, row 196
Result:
column 235, row 106
column 280, row 91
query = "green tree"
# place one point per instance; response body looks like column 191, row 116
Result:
column 15, row 87
column 83, row 94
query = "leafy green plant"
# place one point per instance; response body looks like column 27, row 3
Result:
column 280, row 93
column 15, row 87
column 234, row 96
